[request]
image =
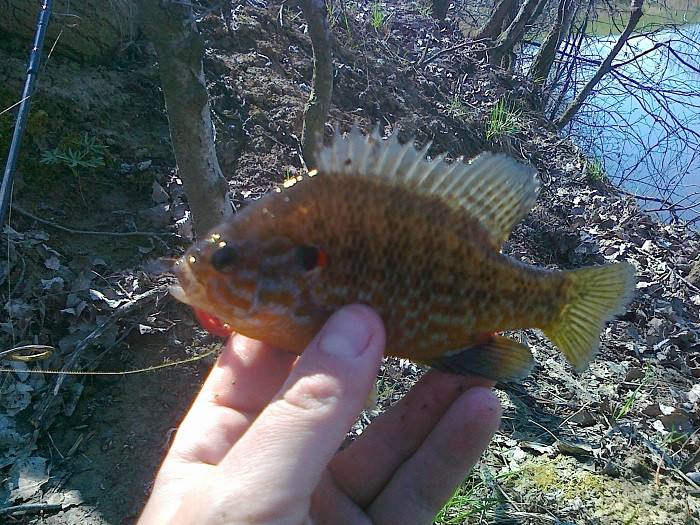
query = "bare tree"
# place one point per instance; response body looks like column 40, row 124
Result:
column 542, row 63
column 641, row 120
column 316, row 109
column 513, row 34
column 604, row 68
column 503, row 13
column 170, row 26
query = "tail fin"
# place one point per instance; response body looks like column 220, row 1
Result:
column 598, row 294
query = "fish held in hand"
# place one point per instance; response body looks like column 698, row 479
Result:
column 416, row 239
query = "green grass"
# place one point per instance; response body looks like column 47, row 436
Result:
column 621, row 410
column 385, row 388
column 425, row 7
column 674, row 437
column 503, row 121
column 596, row 172
column 457, row 108
column 331, row 13
column 379, row 18
column 464, row 503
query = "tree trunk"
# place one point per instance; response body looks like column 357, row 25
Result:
column 507, row 40
column 604, row 67
column 316, row 109
column 542, row 64
column 502, row 14
column 170, row 26
column 91, row 30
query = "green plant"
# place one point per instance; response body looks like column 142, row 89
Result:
column 385, row 387
column 468, row 501
column 596, row 171
column 504, row 120
column 88, row 152
column 621, row 410
column 457, row 108
column 331, row 14
column 379, row 18
column 673, row 437
column 425, row 7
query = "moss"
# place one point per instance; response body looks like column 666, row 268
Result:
column 616, row 501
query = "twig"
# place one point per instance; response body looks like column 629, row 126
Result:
column 89, row 232
column 449, row 49
column 422, row 57
column 32, row 508
column 688, row 465
column 122, row 311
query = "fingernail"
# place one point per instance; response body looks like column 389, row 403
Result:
column 346, row 334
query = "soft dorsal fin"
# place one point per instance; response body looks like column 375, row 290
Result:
column 494, row 189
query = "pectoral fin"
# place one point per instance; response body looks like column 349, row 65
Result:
column 497, row 357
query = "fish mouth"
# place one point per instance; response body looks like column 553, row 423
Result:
column 188, row 290
column 178, row 293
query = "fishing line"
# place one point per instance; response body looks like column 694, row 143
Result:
column 11, row 354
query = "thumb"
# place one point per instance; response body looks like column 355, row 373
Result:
column 290, row 444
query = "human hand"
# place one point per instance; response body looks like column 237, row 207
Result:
column 259, row 443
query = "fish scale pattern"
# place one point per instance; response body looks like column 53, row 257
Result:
column 429, row 271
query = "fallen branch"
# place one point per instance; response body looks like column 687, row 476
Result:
column 24, row 212
column 32, row 508
column 445, row 51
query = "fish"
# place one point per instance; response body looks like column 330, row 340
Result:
column 417, row 239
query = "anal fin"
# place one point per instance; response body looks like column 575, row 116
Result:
column 496, row 357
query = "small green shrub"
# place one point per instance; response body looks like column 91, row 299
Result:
column 85, row 152
column 425, row 7
column 457, row 108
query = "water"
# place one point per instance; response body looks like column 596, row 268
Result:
column 643, row 121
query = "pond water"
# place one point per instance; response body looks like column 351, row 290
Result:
column 643, row 120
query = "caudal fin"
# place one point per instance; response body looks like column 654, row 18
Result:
column 598, row 294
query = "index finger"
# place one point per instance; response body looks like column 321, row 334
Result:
column 246, row 377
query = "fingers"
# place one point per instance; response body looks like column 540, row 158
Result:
column 393, row 437
column 244, row 380
column 289, row 445
column 426, row 481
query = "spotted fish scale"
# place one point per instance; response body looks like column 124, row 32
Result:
column 418, row 240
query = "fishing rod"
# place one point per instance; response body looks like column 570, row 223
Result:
column 32, row 72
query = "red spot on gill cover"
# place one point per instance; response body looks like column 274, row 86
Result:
column 322, row 258
column 212, row 324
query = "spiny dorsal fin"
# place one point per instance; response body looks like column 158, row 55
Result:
column 494, row 189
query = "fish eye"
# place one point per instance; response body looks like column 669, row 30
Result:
column 311, row 257
column 224, row 258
